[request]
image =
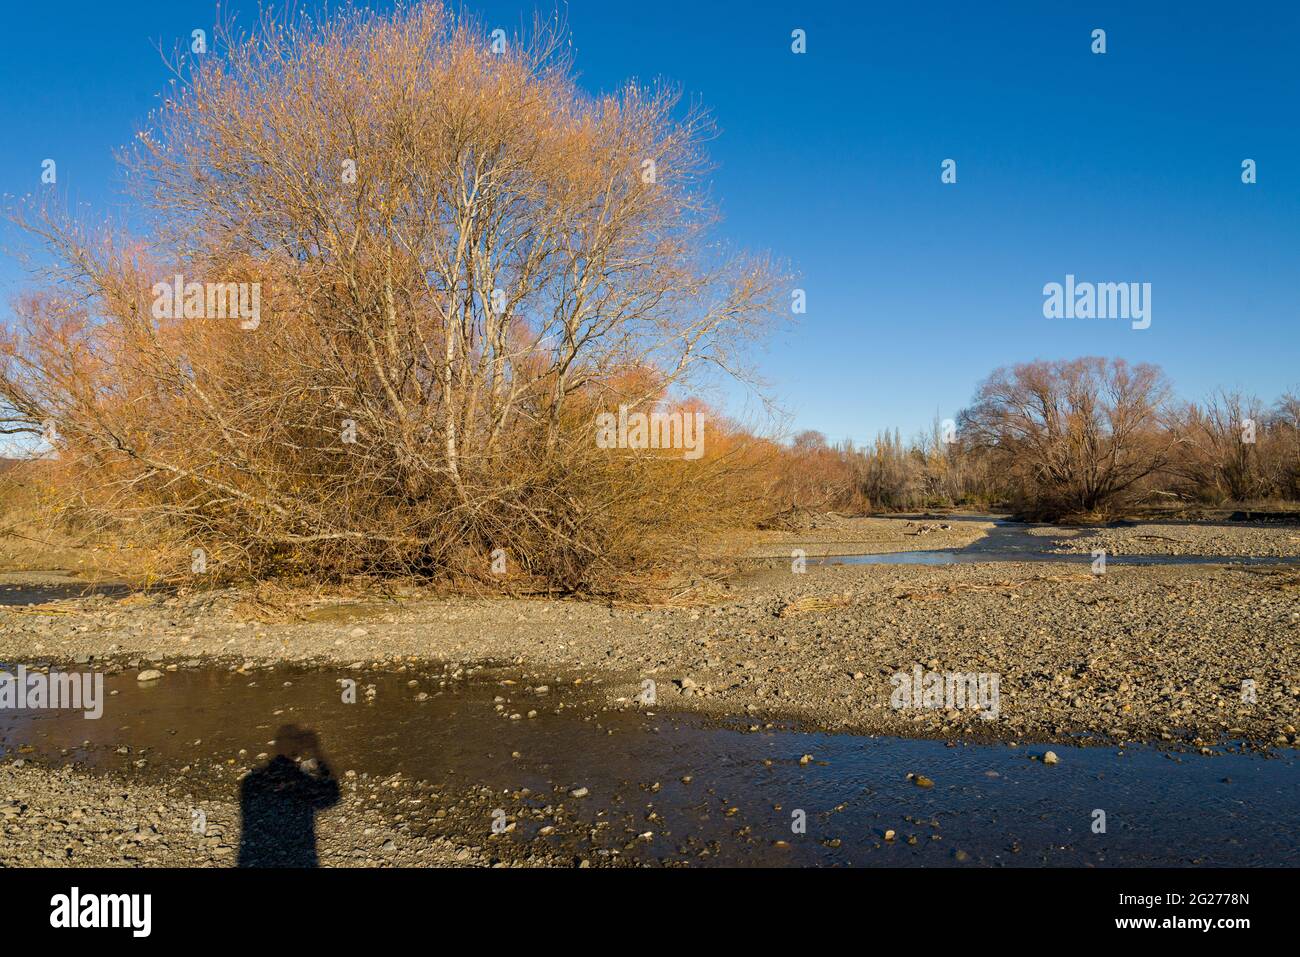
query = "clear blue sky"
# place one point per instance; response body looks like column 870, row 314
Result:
column 1117, row 167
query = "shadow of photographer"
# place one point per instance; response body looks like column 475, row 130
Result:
column 280, row 800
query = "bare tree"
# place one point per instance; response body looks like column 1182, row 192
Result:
column 462, row 258
column 1220, row 446
column 1074, row 436
column 1284, row 445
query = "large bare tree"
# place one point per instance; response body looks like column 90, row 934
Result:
column 1073, row 436
column 461, row 256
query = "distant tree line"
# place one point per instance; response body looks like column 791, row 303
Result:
column 1087, row 437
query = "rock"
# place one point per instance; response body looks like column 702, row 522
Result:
column 152, row 674
column 921, row 781
column 1050, row 758
column 579, row 793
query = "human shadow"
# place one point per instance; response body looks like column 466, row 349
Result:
column 280, row 800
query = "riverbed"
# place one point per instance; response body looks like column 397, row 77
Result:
column 647, row 786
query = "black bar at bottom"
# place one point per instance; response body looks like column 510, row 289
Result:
column 300, row 906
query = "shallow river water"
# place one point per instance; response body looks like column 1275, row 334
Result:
column 708, row 793
column 1010, row 541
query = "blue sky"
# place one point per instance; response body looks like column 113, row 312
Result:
column 1115, row 168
